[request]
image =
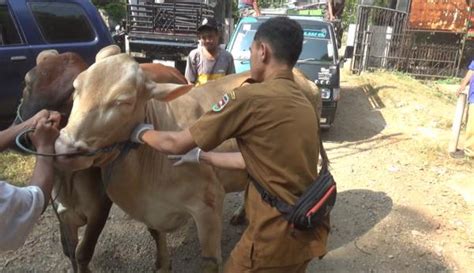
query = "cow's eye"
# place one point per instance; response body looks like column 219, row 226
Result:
column 122, row 103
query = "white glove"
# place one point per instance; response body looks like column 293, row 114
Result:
column 190, row 157
column 139, row 131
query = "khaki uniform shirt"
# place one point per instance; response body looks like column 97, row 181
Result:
column 277, row 132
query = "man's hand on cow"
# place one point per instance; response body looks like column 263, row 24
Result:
column 45, row 134
column 52, row 116
column 31, row 122
column 190, row 157
column 139, row 131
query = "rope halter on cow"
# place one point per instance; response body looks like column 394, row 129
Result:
column 18, row 118
column 21, row 137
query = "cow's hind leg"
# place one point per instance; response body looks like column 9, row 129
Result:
column 209, row 224
column 95, row 225
column 162, row 261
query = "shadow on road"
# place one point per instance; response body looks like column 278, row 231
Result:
column 370, row 234
column 352, row 148
column 358, row 116
column 355, row 213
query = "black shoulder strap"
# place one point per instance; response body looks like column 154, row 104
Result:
column 324, row 156
column 275, row 201
column 272, row 200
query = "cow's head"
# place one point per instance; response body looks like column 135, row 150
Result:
column 49, row 84
column 109, row 101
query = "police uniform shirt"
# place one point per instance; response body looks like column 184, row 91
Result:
column 276, row 129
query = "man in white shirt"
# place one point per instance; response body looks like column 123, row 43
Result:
column 20, row 207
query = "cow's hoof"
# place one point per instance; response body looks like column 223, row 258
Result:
column 84, row 269
column 238, row 218
column 209, row 265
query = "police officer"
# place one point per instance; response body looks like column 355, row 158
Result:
column 277, row 133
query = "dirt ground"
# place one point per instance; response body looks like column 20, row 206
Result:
column 403, row 205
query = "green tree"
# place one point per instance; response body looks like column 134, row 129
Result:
column 350, row 12
column 115, row 8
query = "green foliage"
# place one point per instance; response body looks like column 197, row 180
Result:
column 349, row 16
column 350, row 12
column 449, row 81
column 116, row 9
column 271, row 3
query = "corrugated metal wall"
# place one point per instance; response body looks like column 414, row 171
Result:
column 439, row 15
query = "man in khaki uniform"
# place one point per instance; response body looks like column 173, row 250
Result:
column 277, row 133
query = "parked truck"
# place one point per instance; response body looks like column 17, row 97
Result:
column 166, row 31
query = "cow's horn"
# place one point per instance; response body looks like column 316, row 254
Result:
column 107, row 51
column 43, row 55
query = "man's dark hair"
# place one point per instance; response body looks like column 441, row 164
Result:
column 204, row 30
column 285, row 37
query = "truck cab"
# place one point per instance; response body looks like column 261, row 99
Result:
column 28, row 27
column 319, row 59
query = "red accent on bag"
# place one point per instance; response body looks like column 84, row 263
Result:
column 321, row 202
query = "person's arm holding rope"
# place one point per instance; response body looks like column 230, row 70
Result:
column 43, row 139
column 7, row 136
column 20, row 207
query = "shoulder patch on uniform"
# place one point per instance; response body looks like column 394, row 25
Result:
column 232, row 94
column 217, row 107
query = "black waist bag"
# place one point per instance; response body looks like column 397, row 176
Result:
column 313, row 205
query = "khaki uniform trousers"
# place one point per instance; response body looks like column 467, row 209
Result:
column 469, row 143
column 232, row 267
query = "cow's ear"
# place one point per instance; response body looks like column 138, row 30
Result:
column 79, row 79
column 43, row 55
column 167, row 91
column 107, row 52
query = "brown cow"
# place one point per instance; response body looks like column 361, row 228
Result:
column 81, row 198
column 143, row 182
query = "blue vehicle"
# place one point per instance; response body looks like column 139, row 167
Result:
column 28, row 27
column 318, row 60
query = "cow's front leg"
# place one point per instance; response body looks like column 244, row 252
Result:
column 162, row 261
column 95, row 224
column 69, row 234
column 209, row 225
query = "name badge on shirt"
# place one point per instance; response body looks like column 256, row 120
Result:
column 217, row 107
